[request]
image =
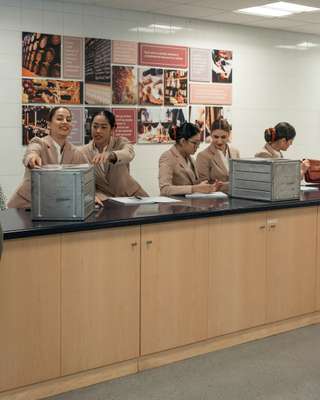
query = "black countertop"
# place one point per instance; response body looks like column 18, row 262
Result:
column 18, row 223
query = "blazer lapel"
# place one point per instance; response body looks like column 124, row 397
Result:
column 218, row 160
column 190, row 171
column 52, row 152
column 67, row 154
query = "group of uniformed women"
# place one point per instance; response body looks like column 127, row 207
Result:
column 179, row 174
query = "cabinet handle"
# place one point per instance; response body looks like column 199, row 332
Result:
column 148, row 242
column 133, row 244
column 272, row 223
column 262, row 227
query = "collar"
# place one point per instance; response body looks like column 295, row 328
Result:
column 108, row 147
column 272, row 151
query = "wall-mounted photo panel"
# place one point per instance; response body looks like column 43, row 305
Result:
column 175, row 87
column 41, row 55
column 172, row 117
column 89, row 113
column 150, row 86
column 97, row 71
column 76, row 135
column 200, row 66
column 126, row 120
column 51, row 91
column 34, row 122
column 213, row 114
column 124, row 52
column 221, row 66
column 72, row 57
column 150, row 129
column 124, row 85
column 157, row 55
column 210, row 93
column 197, row 116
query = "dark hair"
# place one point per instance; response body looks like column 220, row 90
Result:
column 54, row 110
column 283, row 130
column 108, row 115
column 185, row 131
column 221, row 124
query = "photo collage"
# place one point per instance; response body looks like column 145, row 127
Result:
column 149, row 87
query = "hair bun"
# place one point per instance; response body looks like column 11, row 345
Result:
column 270, row 135
column 173, row 132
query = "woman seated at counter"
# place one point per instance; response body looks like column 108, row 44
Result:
column 279, row 139
column 178, row 174
column 52, row 149
column 111, row 156
column 213, row 162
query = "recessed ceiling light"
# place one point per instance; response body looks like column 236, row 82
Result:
column 170, row 27
column 307, row 45
column 298, row 46
column 158, row 28
column 292, row 7
column 142, row 29
column 278, row 9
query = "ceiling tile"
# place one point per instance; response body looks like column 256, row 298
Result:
column 231, row 5
column 313, row 17
column 307, row 28
column 231, row 17
column 184, row 10
column 209, row 10
column 275, row 23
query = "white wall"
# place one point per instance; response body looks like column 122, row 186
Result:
column 270, row 84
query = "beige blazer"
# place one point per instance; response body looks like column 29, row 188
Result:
column 114, row 179
column 45, row 148
column 268, row 152
column 1, row 241
column 211, row 166
column 176, row 177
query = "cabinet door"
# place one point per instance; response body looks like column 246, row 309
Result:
column 29, row 311
column 237, row 273
column 291, row 261
column 174, row 284
column 318, row 261
column 100, row 298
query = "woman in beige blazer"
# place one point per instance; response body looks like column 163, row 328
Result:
column 111, row 156
column 213, row 162
column 279, row 139
column 52, row 149
column 178, row 174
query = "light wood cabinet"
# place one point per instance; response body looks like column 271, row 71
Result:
column 29, row 311
column 318, row 262
column 237, row 273
column 84, row 300
column 174, row 284
column 291, row 261
column 100, row 298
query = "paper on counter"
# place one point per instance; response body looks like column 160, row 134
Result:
column 309, row 188
column 213, row 195
column 143, row 200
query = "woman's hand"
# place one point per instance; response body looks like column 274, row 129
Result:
column 34, row 161
column 205, row 187
column 217, row 185
column 104, row 157
column 305, row 165
column 98, row 201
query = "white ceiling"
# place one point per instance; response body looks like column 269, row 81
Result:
column 221, row 11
